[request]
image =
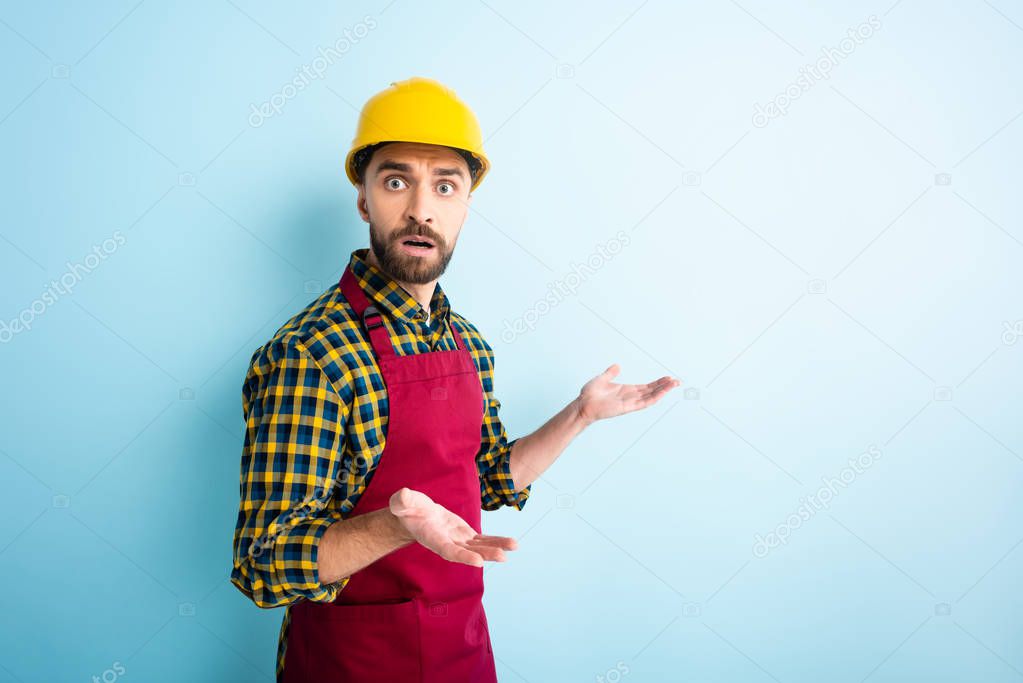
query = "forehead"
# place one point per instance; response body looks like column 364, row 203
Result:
column 418, row 152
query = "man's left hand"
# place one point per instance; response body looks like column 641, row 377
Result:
column 601, row 398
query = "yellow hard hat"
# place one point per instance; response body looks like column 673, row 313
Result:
column 418, row 110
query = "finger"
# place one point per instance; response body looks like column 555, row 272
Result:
column 490, row 537
column 641, row 390
column 503, row 542
column 662, row 386
column 492, row 554
column 457, row 553
column 651, row 397
column 663, row 382
column 655, row 397
column 408, row 501
column 636, row 395
column 648, row 399
column 487, row 552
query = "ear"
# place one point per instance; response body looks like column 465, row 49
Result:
column 361, row 204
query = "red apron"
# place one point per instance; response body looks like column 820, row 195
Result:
column 411, row 615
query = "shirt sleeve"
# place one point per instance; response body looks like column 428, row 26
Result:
column 494, row 459
column 294, row 438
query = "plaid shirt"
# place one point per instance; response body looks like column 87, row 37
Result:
column 315, row 406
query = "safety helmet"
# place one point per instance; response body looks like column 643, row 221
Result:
column 418, row 110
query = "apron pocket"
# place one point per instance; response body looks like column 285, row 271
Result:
column 484, row 629
column 368, row 642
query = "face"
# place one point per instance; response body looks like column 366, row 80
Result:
column 415, row 198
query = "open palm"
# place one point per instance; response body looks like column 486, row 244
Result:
column 444, row 532
column 601, row 398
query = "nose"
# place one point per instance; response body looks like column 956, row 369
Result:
column 420, row 207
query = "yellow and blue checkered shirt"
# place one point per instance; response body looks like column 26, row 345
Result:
column 315, row 407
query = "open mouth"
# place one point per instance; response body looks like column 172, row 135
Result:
column 417, row 244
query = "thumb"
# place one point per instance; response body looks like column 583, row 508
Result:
column 612, row 371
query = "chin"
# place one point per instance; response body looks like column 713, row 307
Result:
column 417, row 270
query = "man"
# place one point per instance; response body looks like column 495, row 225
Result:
column 373, row 440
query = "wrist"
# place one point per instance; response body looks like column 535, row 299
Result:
column 401, row 533
column 395, row 524
column 578, row 416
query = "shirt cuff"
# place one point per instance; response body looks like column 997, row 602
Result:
column 296, row 564
column 502, row 482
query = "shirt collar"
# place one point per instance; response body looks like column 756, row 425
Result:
column 391, row 297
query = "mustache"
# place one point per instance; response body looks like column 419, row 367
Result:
column 413, row 230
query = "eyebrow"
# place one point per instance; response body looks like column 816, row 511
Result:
column 391, row 165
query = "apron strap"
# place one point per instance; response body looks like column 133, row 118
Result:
column 372, row 319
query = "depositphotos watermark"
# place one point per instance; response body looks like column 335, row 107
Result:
column 73, row 274
column 1011, row 331
column 810, row 505
column 314, row 70
column 810, row 74
column 306, row 507
column 560, row 289
column 614, row 674
column 110, row 675
column 314, row 502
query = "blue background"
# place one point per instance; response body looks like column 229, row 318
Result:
column 846, row 276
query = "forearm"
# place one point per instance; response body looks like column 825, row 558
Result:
column 532, row 454
column 352, row 544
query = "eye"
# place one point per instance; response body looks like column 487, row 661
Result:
column 450, row 188
column 394, row 183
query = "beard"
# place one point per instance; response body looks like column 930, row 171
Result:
column 418, row 270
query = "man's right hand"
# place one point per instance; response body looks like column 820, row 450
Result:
column 444, row 532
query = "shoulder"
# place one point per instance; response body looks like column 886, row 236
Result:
column 473, row 337
column 481, row 350
column 323, row 333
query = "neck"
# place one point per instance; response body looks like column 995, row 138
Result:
column 421, row 293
